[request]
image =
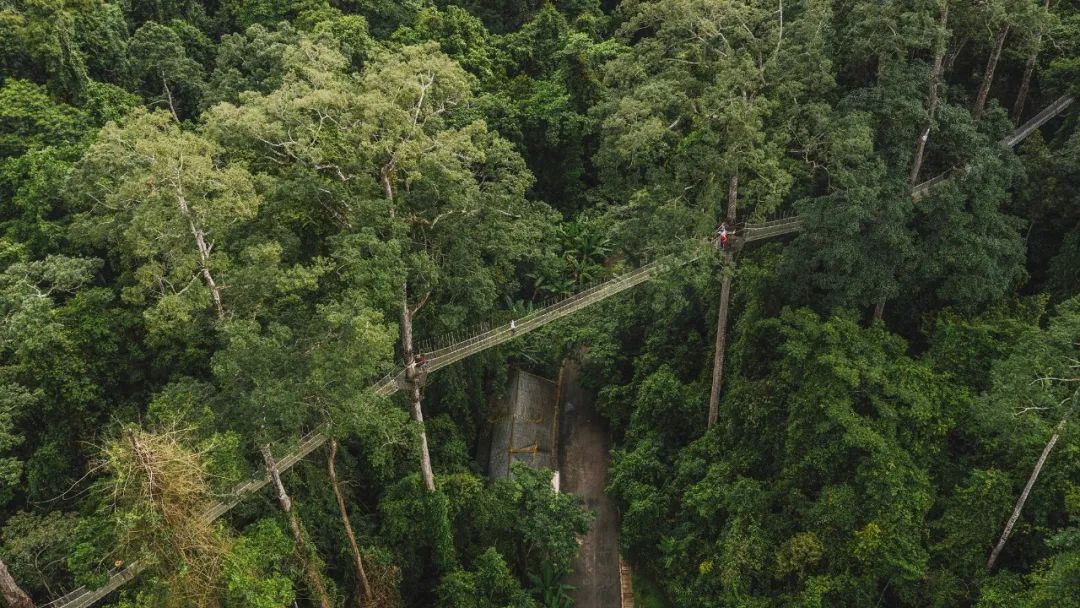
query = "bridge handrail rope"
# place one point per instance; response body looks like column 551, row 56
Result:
column 1020, row 133
column 445, row 341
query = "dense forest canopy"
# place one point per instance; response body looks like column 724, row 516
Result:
column 222, row 222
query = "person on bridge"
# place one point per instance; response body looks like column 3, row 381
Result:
column 513, row 326
column 723, row 232
column 421, row 360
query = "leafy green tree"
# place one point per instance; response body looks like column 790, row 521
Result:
column 416, row 524
column 503, row 16
column 243, row 14
column 556, row 79
column 253, row 572
column 429, row 186
column 968, row 249
column 1044, row 365
column 386, row 16
column 40, row 44
column 988, row 27
column 1063, row 65
column 693, row 121
column 350, row 35
column 896, row 51
column 838, row 268
column 764, row 504
column 248, row 61
column 168, row 77
column 461, row 36
column 30, row 119
column 689, row 109
column 156, row 194
column 545, row 523
column 35, row 548
column 890, row 427
column 488, row 585
column 14, row 404
column 1054, row 582
column 165, row 11
column 43, row 368
column 1054, row 223
column 39, row 140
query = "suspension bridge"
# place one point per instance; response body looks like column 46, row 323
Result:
column 458, row 350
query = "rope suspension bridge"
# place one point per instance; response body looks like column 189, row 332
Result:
column 453, row 353
column 461, row 349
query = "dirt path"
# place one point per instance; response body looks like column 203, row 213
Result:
column 583, row 455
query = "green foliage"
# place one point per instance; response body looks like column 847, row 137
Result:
column 15, row 403
column 154, row 191
column 252, row 572
column 39, row 140
column 548, row 591
column 546, row 523
column 211, row 215
column 460, row 35
column 46, row 370
column 416, row 524
column 856, row 231
column 169, row 79
column 695, row 103
column 249, row 61
column 29, row 119
column 41, row 43
column 488, row 585
column 242, row 14
column 35, row 548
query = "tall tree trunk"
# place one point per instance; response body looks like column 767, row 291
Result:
column 412, row 375
column 168, row 97
column 345, row 520
column 12, row 594
column 950, row 58
column 879, row 309
column 300, row 546
column 200, row 242
column 988, row 74
column 721, row 341
column 931, row 101
column 1027, row 487
column 725, row 298
column 1029, row 71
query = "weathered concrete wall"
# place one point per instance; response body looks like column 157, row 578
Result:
column 583, row 459
column 525, row 428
